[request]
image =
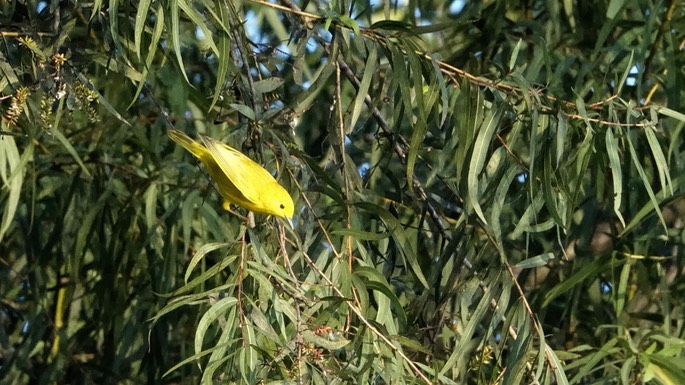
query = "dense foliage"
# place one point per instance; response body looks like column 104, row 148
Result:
column 486, row 192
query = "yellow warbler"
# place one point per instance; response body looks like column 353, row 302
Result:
column 240, row 180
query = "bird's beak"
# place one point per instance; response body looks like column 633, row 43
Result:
column 290, row 222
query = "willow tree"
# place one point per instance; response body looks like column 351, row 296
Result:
column 485, row 192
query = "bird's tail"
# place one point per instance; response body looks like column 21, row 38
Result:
column 189, row 144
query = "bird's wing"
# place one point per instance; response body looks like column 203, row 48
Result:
column 251, row 179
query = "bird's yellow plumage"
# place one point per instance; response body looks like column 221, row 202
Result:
column 240, row 180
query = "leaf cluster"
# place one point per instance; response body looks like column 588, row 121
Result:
column 490, row 194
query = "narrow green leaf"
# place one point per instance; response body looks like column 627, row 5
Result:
column 597, row 266
column 614, row 8
column 71, row 150
column 8, row 77
column 199, row 254
column 622, row 81
column 463, row 347
column 444, row 93
column 548, row 192
column 65, row 32
column 622, row 288
column 627, row 369
column 660, row 160
column 401, row 76
column 95, row 10
column 534, row 146
column 421, row 126
column 616, row 173
column 224, row 54
column 515, row 54
column 556, row 364
column 590, row 364
column 536, row 261
column 432, row 28
column 14, row 179
column 210, row 8
column 151, row 52
column 378, row 282
column 391, row 25
column 248, row 355
column 362, row 93
column 306, row 98
column 529, row 216
column 411, row 344
column 363, row 295
column 205, row 275
column 646, row 182
column 198, row 20
column 518, row 355
column 432, row 373
column 175, row 36
column 151, row 195
column 224, row 342
column 664, row 370
column 671, row 113
column 350, row 23
column 503, row 304
column 580, row 106
column 268, row 85
column 562, row 129
column 648, row 208
column 499, row 200
column 470, row 104
column 324, row 342
column 113, row 13
column 187, row 300
column 187, row 216
column 196, row 357
column 480, row 152
column 327, row 23
column 361, row 235
column 217, row 310
column 102, row 100
column 244, row 110
column 141, row 18
column 110, row 65
column 275, row 20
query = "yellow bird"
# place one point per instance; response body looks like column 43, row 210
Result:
column 240, row 180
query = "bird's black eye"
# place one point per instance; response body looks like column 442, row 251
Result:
column 282, row 206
